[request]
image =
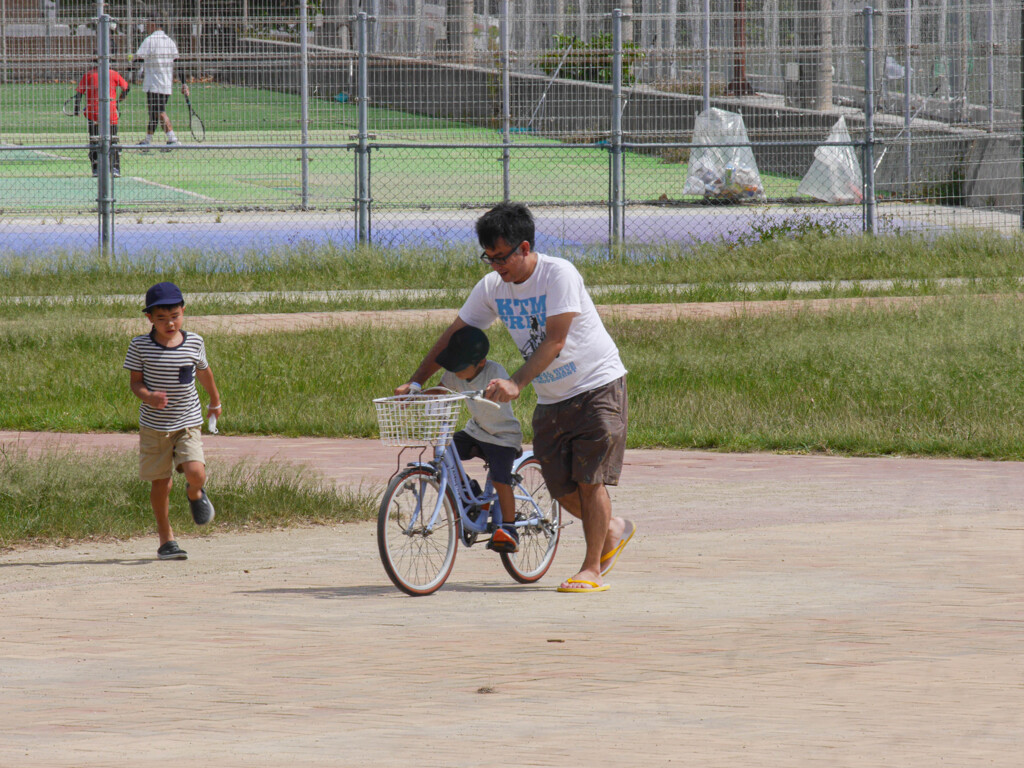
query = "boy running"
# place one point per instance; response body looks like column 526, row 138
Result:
column 164, row 365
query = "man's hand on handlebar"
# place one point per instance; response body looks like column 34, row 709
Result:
column 502, row 390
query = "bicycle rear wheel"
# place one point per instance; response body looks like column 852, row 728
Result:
column 417, row 560
column 538, row 541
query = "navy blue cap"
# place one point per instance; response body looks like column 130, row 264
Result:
column 163, row 295
column 466, row 347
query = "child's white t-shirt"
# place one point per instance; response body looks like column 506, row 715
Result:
column 589, row 358
column 498, row 426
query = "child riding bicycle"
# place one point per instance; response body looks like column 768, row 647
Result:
column 492, row 434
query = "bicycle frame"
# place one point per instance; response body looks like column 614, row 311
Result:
column 451, row 474
column 418, row 533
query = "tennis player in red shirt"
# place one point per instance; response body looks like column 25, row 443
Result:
column 89, row 86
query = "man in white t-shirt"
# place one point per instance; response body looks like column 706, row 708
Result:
column 580, row 422
column 158, row 54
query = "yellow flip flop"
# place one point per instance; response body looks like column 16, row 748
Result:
column 594, row 586
column 608, row 561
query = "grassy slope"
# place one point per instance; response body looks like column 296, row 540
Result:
column 942, row 379
column 59, row 496
column 994, row 263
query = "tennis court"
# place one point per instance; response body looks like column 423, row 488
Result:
column 438, row 172
column 244, row 187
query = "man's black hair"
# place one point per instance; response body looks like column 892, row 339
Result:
column 512, row 222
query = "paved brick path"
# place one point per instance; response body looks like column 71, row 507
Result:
column 773, row 611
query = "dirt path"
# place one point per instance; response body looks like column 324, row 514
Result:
column 398, row 318
column 256, row 323
column 773, row 611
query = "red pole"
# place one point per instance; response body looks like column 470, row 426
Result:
column 738, row 85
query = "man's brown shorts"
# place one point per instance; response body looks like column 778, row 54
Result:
column 582, row 439
column 160, row 453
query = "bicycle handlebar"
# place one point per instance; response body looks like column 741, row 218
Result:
column 473, row 394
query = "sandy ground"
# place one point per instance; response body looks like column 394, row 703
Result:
column 696, row 310
column 772, row 611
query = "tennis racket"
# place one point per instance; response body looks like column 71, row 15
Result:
column 69, row 107
column 195, row 123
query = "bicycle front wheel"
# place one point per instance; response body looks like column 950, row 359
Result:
column 538, row 541
column 417, row 556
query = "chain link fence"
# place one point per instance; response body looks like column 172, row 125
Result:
column 395, row 122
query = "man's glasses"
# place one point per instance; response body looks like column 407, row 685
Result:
column 498, row 260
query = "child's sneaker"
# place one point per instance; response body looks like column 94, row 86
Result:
column 505, row 539
column 202, row 509
column 171, row 551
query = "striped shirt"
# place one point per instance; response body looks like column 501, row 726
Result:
column 171, row 370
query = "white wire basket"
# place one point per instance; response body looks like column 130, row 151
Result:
column 413, row 420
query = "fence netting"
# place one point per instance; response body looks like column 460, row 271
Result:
column 397, row 122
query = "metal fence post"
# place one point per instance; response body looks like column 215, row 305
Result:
column 104, row 191
column 3, row 41
column 304, row 88
column 617, row 201
column 363, row 137
column 506, row 104
column 869, row 224
column 991, row 70
column 908, row 82
column 706, row 41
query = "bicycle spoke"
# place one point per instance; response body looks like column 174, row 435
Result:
column 538, row 516
column 416, row 559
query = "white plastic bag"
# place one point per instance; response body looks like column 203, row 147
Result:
column 835, row 175
column 723, row 173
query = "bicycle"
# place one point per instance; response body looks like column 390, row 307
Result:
column 430, row 506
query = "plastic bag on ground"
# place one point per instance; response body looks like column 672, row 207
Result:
column 723, row 173
column 835, row 175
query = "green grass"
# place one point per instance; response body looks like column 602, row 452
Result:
column 987, row 263
column 940, row 380
column 61, row 496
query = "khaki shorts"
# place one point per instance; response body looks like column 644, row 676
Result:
column 160, row 453
column 582, row 439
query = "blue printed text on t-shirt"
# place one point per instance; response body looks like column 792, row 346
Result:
column 517, row 313
column 558, row 373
